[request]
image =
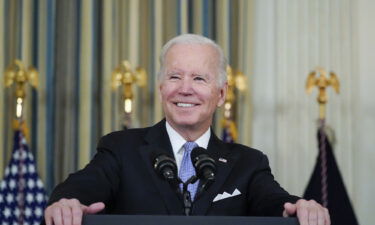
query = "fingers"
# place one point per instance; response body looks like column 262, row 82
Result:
column 302, row 214
column 53, row 215
column 311, row 213
column 48, row 216
column 94, row 208
column 320, row 216
column 289, row 209
column 327, row 217
column 77, row 212
column 66, row 213
column 313, row 217
column 69, row 212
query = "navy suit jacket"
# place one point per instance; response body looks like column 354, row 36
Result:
column 121, row 175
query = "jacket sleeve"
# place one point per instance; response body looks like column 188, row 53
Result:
column 97, row 182
column 267, row 196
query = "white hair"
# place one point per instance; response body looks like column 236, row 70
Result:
column 199, row 40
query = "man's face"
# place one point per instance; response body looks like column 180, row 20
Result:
column 189, row 87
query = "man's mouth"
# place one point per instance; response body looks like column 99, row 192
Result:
column 185, row 105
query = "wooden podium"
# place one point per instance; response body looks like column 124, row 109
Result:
column 184, row 220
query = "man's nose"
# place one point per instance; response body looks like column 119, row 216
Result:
column 186, row 86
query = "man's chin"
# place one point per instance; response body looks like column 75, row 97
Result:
column 185, row 123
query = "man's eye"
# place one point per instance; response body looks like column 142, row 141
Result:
column 199, row 79
column 174, row 77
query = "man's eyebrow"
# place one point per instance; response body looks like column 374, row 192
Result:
column 173, row 71
column 206, row 76
column 200, row 74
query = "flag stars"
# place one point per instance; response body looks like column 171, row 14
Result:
column 12, row 184
column 10, row 198
column 7, row 213
column 16, row 155
column 28, row 212
column 38, row 212
column 17, row 212
column 3, row 185
column 29, row 198
column 39, row 183
column 14, row 170
column 31, row 183
column 31, row 168
column 39, row 197
column 31, row 157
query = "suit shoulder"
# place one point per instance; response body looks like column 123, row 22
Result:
column 128, row 133
column 124, row 136
column 243, row 149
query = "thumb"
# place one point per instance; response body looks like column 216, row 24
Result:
column 93, row 208
column 289, row 209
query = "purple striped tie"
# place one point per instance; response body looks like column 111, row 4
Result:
column 187, row 169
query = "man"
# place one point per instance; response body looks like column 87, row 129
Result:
column 121, row 180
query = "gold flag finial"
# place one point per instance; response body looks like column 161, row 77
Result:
column 123, row 75
column 322, row 82
column 16, row 74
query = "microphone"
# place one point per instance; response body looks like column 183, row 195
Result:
column 205, row 166
column 165, row 166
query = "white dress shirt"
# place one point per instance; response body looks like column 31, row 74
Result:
column 177, row 142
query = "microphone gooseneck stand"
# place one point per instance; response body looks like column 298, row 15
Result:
column 186, row 196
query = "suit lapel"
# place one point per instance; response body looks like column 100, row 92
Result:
column 157, row 138
column 224, row 164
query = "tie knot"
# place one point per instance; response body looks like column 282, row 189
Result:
column 190, row 145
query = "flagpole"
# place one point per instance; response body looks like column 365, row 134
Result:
column 21, row 189
column 326, row 185
column 322, row 82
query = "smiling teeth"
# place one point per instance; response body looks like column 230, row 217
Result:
column 185, row 105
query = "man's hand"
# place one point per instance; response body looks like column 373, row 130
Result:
column 69, row 212
column 308, row 212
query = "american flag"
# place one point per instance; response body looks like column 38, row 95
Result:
column 22, row 195
column 229, row 132
column 226, row 135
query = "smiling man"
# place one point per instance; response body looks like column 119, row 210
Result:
column 120, row 179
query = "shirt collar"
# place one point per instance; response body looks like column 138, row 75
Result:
column 177, row 141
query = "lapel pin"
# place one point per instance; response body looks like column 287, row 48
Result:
column 223, row 160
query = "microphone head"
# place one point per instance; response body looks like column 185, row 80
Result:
column 204, row 165
column 164, row 165
column 197, row 152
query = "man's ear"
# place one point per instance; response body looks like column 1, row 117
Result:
column 160, row 87
column 223, row 94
